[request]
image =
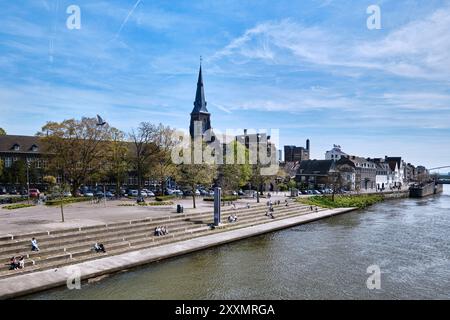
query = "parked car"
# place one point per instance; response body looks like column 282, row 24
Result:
column 88, row 194
column 234, row 193
column 109, row 194
column 316, row 192
column 240, row 192
column 3, row 190
column 168, row 192
column 133, row 193
column 67, row 194
column 34, row 193
column 150, row 194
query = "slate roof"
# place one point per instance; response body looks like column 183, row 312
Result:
column 25, row 143
column 315, row 167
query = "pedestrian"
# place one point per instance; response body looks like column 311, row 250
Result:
column 34, row 245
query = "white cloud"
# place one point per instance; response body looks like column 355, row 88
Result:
column 418, row 49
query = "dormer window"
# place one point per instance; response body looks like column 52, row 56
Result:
column 16, row 147
column 34, row 148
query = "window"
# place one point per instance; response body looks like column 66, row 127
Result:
column 8, row 162
column 16, row 147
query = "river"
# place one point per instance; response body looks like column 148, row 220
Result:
column 409, row 239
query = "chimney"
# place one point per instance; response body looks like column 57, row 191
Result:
column 307, row 144
column 245, row 132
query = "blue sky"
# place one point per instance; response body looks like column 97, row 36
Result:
column 310, row 68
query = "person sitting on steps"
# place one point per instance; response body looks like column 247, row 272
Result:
column 13, row 264
column 21, row 262
column 99, row 247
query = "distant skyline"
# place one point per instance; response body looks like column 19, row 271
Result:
column 310, row 68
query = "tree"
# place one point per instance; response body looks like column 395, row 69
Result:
column 163, row 166
column 192, row 175
column 144, row 150
column 79, row 149
column 18, row 172
column 234, row 173
column 2, row 132
column 258, row 179
column 53, row 188
column 335, row 182
column 118, row 161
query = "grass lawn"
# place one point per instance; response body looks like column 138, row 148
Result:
column 342, row 201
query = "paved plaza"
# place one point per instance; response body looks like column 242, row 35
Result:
column 44, row 218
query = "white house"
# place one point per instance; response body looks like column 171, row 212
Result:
column 335, row 154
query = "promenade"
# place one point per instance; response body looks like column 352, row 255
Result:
column 18, row 285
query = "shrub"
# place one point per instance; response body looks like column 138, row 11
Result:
column 224, row 198
column 159, row 203
column 56, row 202
column 342, row 201
column 18, row 206
column 165, row 198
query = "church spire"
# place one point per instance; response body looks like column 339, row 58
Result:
column 200, row 102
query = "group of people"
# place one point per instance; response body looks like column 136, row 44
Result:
column 17, row 263
column 311, row 208
column 232, row 218
column 161, row 231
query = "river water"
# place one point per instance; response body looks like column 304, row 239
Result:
column 408, row 239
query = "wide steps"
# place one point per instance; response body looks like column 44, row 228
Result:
column 248, row 217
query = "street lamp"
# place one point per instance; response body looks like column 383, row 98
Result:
column 28, row 181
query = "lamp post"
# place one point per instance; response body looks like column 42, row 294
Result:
column 28, row 181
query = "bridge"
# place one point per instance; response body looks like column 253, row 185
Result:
column 442, row 179
column 438, row 168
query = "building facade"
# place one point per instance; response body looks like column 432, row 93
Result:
column 294, row 153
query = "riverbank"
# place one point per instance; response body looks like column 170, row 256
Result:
column 42, row 280
column 359, row 201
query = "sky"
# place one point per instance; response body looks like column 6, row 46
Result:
column 311, row 69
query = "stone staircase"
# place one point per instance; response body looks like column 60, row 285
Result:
column 69, row 246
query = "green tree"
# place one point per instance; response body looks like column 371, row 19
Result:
column 236, row 170
column 2, row 132
column 191, row 175
column 19, row 172
column 79, row 149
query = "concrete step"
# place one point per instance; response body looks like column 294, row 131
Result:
column 145, row 242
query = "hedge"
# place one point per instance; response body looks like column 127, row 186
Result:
column 224, row 198
column 165, row 198
column 18, row 206
column 68, row 200
column 160, row 203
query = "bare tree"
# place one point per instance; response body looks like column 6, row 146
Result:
column 162, row 166
column 143, row 151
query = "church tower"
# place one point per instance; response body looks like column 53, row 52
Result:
column 200, row 117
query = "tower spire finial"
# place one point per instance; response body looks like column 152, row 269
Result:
column 201, row 60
